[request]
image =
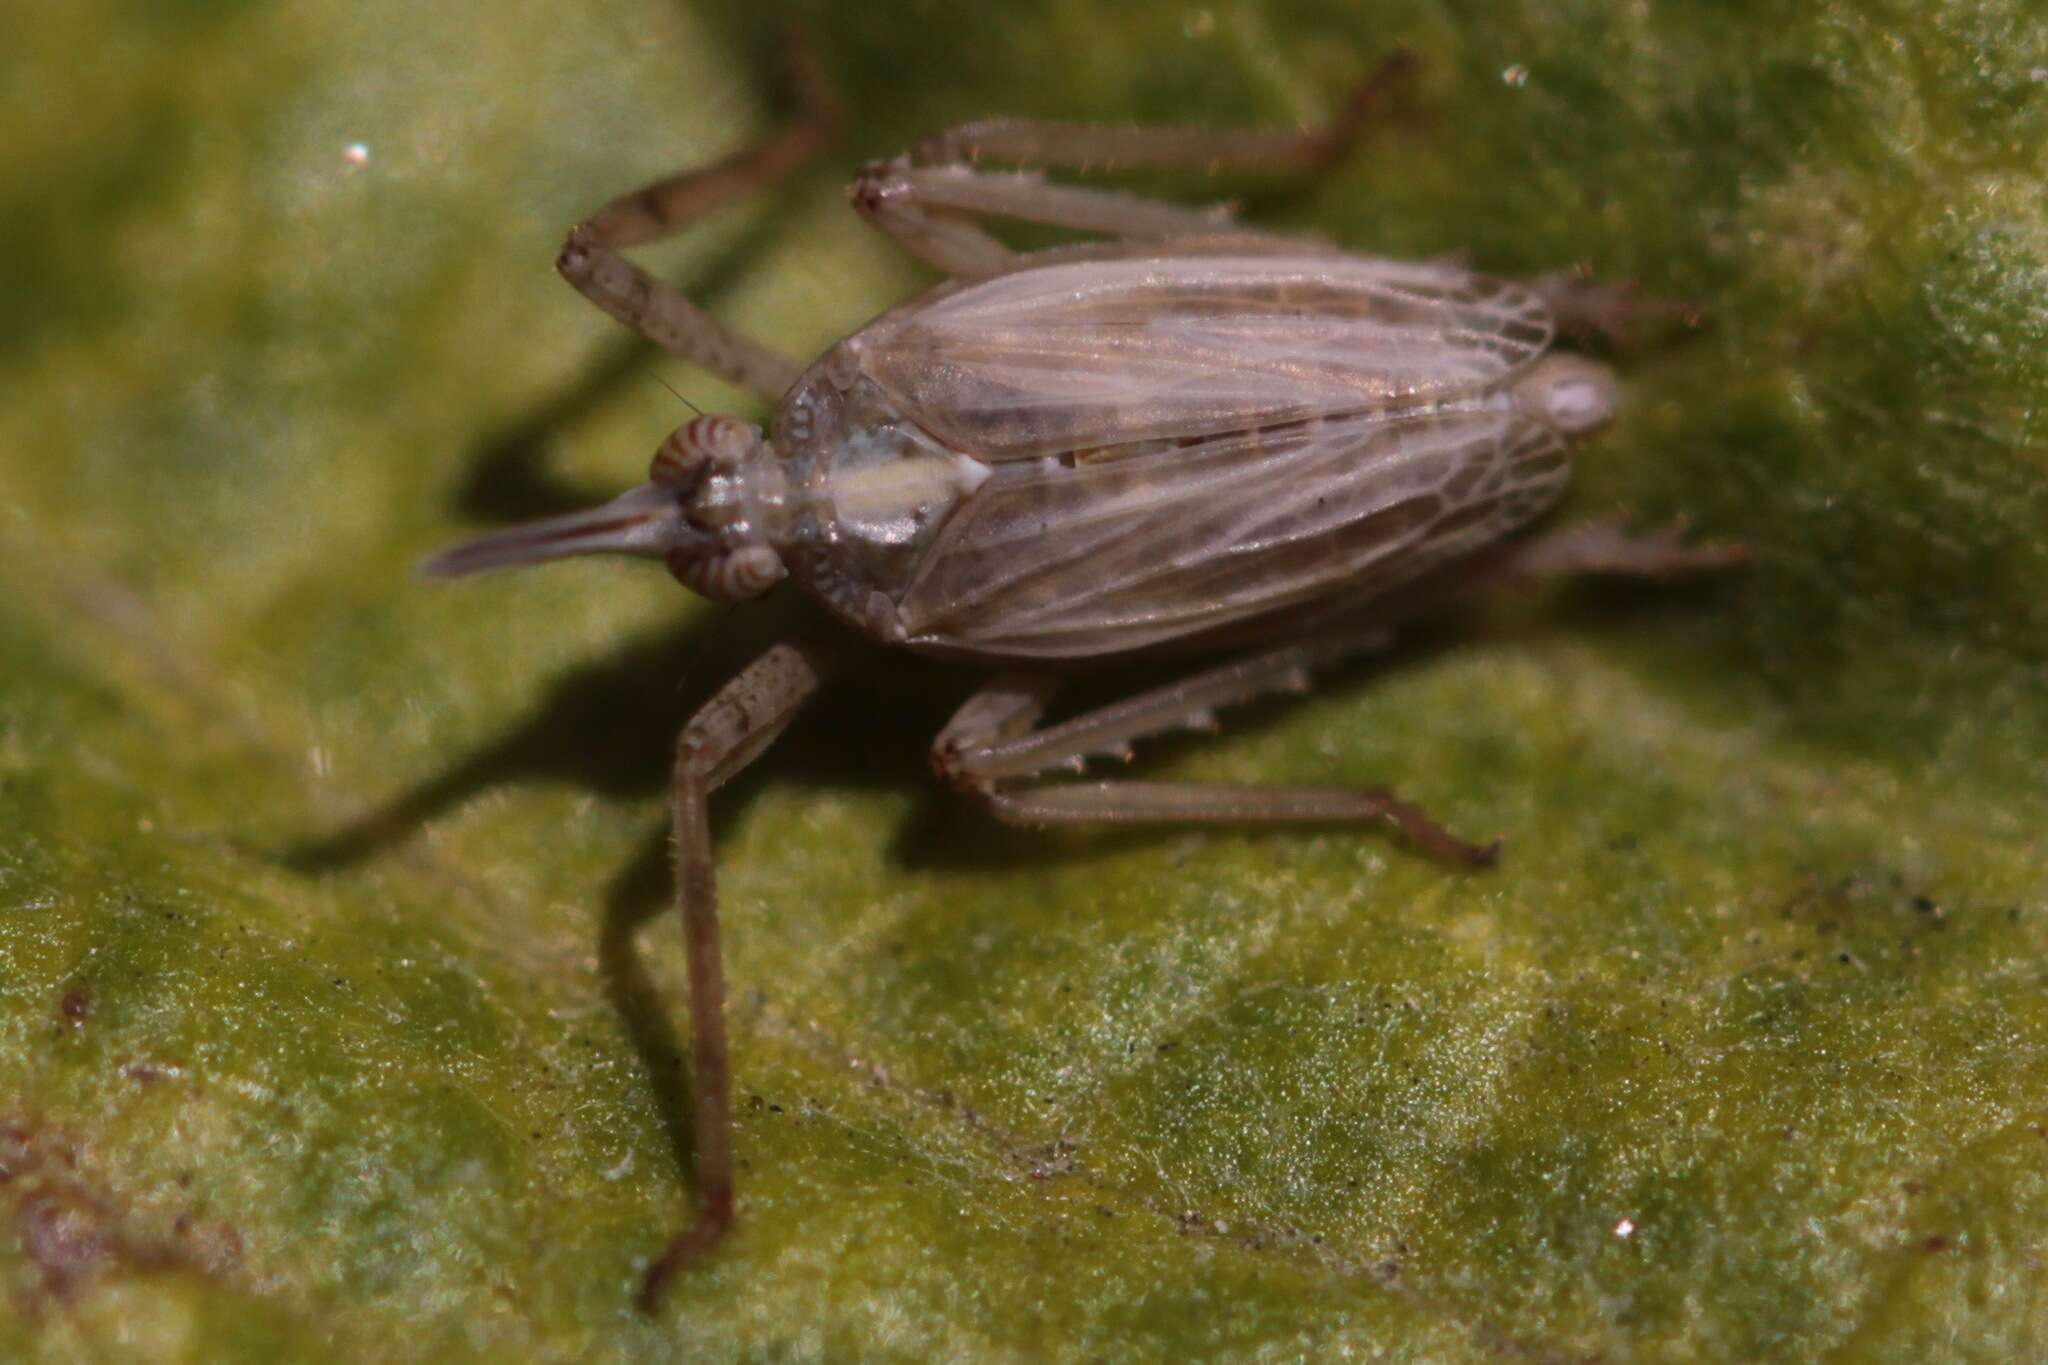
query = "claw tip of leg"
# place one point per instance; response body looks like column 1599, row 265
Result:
column 651, row 1285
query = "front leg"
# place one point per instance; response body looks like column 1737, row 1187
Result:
column 727, row 734
column 592, row 258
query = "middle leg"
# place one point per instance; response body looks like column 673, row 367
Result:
column 932, row 200
column 994, row 747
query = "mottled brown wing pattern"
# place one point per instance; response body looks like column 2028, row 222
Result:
column 1058, row 561
column 1093, row 356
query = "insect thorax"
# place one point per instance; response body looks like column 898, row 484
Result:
column 869, row 487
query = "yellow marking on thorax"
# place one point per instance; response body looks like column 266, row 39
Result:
column 881, row 491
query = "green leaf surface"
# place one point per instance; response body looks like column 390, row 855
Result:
column 338, row 1008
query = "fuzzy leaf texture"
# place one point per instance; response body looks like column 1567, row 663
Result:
column 339, row 1000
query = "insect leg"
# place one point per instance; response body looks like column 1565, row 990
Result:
column 995, row 737
column 992, row 746
column 591, row 258
column 1587, row 307
column 930, row 199
column 1188, row 803
column 729, row 732
column 947, row 241
column 1084, row 146
column 1604, row 546
column 930, row 210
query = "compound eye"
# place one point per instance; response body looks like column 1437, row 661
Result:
column 707, row 442
column 725, row 441
column 675, row 465
column 732, row 576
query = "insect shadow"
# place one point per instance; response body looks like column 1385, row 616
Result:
column 606, row 727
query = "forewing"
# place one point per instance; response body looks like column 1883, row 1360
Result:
column 1094, row 355
column 1056, row 561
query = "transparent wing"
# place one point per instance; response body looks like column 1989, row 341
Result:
column 1092, row 355
column 1051, row 560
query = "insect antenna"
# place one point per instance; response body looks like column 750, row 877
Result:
column 651, row 374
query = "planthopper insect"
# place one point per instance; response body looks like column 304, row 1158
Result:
column 1189, row 438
